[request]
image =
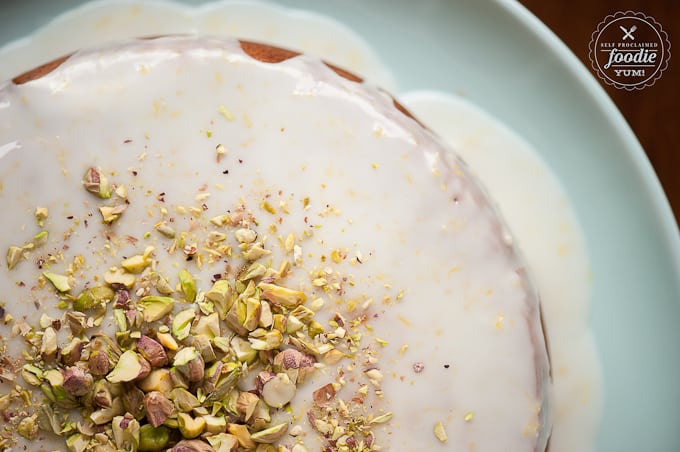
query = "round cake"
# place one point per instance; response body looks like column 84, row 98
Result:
column 221, row 245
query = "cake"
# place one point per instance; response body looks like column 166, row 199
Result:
column 222, row 245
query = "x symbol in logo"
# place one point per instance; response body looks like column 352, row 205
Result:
column 628, row 33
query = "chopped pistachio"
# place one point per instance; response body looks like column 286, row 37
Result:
column 470, row 415
column 190, row 363
column 440, row 432
column 281, row 296
column 215, row 424
column 243, row 350
column 153, row 438
column 131, row 366
column 255, row 251
column 126, row 432
column 119, row 277
column 28, row 427
column 96, row 183
column 155, row 307
column 94, row 296
column 137, row 263
column 181, row 323
column 246, row 403
column 106, row 414
column 221, row 295
column 111, row 213
column 190, row 427
column 278, row 391
column 242, row 435
column 133, row 401
column 167, row 341
column 158, row 408
column 157, row 380
column 188, row 285
column 41, row 214
column 14, row 255
column 324, row 394
column 40, row 238
column 202, row 344
column 382, row 418
column 193, row 445
column 31, row 375
column 60, row 282
column 261, row 339
column 152, row 351
column 77, row 382
column 208, row 325
column 271, row 434
column 245, row 235
column 99, row 364
column 48, row 346
column 166, row 230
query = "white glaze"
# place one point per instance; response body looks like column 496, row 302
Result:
column 542, row 221
column 480, row 139
column 301, row 129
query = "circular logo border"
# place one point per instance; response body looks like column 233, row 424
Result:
column 649, row 20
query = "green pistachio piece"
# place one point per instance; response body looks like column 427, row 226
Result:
column 281, row 296
column 106, row 414
column 243, row 350
column 224, row 386
column 244, row 235
column 315, row 328
column 440, row 432
column 117, row 276
column 215, row 424
column 32, row 374
column 256, row 270
column 153, row 438
column 190, row 427
column 223, row 442
column 184, row 400
column 137, row 264
column 155, row 307
column 181, row 323
column 261, row 339
column 40, row 238
column 165, row 230
column 89, row 298
column 28, row 427
column 188, row 285
column 255, row 251
column 271, row 434
column 126, row 432
column 221, row 295
column 95, row 182
column 242, row 434
column 208, row 325
column 190, row 364
column 131, row 366
column 202, row 344
column 60, row 282
column 77, row 442
column 158, row 380
column 111, row 213
column 14, row 255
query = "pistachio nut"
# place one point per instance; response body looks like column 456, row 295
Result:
column 155, row 307
column 130, row 367
column 152, row 351
column 158, row 408
column 153, row 438
column 271, row 434
column 190, row 363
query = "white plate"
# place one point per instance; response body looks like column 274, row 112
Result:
column 503, row 59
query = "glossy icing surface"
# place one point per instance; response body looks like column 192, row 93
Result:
column 435, row 261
